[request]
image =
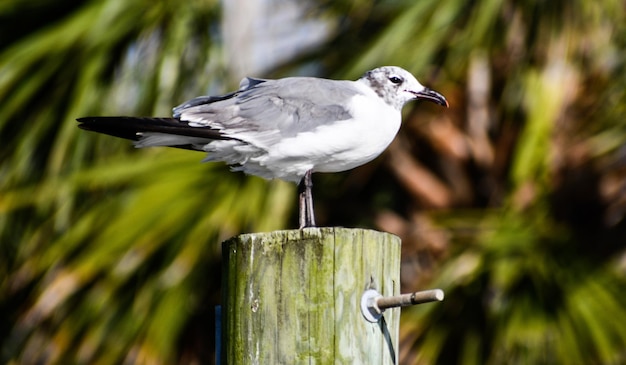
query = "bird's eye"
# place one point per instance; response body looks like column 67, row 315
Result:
column 396, row 80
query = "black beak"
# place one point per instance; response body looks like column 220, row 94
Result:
column 432, row 95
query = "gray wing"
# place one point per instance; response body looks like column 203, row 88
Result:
column 262, row 112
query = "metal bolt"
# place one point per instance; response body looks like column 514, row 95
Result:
column 373, row 304
column 405, row 300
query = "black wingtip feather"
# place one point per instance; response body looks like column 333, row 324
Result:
column 129, row 127
column 114, row 126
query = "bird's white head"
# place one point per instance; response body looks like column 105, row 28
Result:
column 397, row 86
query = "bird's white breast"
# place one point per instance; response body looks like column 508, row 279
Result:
column 338, row 145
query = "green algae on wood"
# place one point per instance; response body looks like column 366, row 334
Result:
column 293, row 297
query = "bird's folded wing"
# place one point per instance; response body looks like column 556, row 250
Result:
column 262, row 112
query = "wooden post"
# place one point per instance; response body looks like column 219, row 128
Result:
column 293, row 297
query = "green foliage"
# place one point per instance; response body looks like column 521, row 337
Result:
column 522, row 293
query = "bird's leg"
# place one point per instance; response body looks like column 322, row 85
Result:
column 305, row 196
column 301, row 204
column 308, row 193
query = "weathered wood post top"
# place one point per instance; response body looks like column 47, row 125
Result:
column 292, row 297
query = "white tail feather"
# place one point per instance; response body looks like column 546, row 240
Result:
column 154, row 139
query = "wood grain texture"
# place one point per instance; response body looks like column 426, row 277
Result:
column 292, row 297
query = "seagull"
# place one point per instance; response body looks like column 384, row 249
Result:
column 285, row 128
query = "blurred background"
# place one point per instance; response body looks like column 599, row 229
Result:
column 513, row 200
